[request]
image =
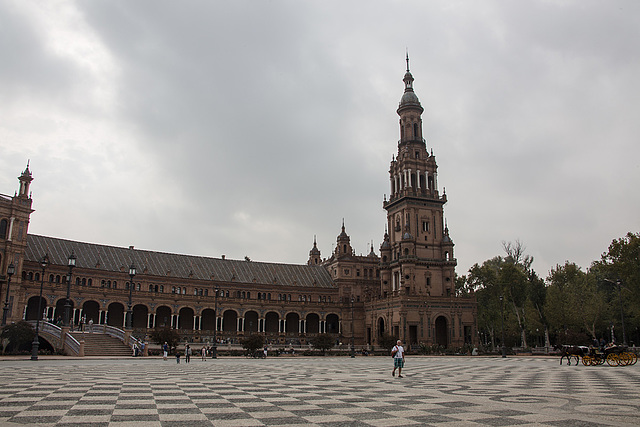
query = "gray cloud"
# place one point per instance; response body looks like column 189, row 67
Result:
column 246, row 128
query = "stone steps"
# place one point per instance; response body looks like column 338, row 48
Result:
column 96, row 344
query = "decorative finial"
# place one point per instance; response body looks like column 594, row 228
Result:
column 407, row 60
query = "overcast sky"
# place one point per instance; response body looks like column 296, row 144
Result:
column 248, row 127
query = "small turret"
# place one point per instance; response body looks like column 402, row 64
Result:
column 314, row 254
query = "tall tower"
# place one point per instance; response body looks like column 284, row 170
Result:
column 14, row 223
column 417, row 254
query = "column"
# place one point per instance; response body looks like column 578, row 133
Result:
column 418, row 179
column 301, row 326
column 177, row 321
column 149, row 320
column 409, row 176
column 435, row 181
column 194, row 323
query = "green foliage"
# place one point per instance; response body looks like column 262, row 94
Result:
column 252, row 343
column 621, row 263
column 168, row 335
column 571, row 306
column 387, row 341
column 20, row 335
column 323, row 342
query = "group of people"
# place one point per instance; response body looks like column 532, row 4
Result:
column 188, row 352
column 397, row 352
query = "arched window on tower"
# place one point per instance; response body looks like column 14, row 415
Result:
column 3, row 229
column 415, row 131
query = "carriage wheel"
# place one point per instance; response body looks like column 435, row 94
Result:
column 613, row 359
column 586, row 360
column 634, row 358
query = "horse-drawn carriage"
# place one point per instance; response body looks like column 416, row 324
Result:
column 591, row 356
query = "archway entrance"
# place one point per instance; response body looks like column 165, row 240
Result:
column 208, row 319
column 313, row 323
column 115, row 315
column 271, row 321
column 140, row 316
column 251, row 322
column 91, row 311
column 230, row 321
column 333, row 324
column 441, row 331
column 380, row 327
column 163, row 317
column 292, row 323
column 33, row 310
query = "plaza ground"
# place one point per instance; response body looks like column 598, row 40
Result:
column 337, row 391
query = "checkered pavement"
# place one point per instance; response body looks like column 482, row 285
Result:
column 317, row 391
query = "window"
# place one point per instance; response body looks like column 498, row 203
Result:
column 425, row 226
column 3, row 229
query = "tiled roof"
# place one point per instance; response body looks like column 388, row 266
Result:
column 118, row 259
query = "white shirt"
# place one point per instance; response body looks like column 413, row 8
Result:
column 399, row 351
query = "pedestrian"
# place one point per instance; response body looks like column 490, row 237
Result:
column 398, row 359
column 187, row 354
column 265, row 351
column 177, row 356
column 165, row 350
column 203, row 351
column 90, row 325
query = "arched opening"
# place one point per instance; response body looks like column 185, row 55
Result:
column 271, row 321
column 140, row 316
column 293, row 323
column 59, row 314
column 163, row 317
column 91, row 311
column 208, row 319
column 380, row 326
column 185, row 320
column 251, row 321
column 441, row 331
column 313, row 323
column 333, row 324
column 33, row 312
column 115, row 315
column 230, row 321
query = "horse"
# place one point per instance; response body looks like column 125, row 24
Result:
column 572, row 351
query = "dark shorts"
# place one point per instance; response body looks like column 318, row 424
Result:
column 398, row 362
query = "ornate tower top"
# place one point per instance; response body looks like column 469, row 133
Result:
column 409, row 99
column 25, row 181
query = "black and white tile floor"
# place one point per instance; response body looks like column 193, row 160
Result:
column 317, row 391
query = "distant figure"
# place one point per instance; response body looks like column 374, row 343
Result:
column 265, row 351
column 187, row 354
column 204, row 353
column 90, row 325
column 165, row 350
column 177, row 356
column 398, row 359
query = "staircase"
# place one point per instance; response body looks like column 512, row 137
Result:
column 96, row 344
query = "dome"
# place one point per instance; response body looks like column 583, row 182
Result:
column 409, row 98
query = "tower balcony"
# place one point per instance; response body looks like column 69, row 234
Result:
column 411, row 192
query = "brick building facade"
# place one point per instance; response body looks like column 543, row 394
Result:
column 407, row 291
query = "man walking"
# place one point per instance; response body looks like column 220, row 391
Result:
column 398, row 359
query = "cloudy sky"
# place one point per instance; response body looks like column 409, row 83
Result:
column 248, row 127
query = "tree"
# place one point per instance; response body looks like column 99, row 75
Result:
column 387, row 341
column 322, row 342
column 252, row 343
column 19, row 334
column 621, row 263
column 168, row 335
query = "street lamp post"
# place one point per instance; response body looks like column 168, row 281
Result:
column 35, row 346
column 132, row 274
column 67, row 305
column 214, row 347
column 504, row 349
column 353, row 350
column 619, row 283
column 11, row 269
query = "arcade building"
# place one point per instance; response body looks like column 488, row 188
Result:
column 407, row 290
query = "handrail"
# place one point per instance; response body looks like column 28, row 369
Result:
column 72, row 344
